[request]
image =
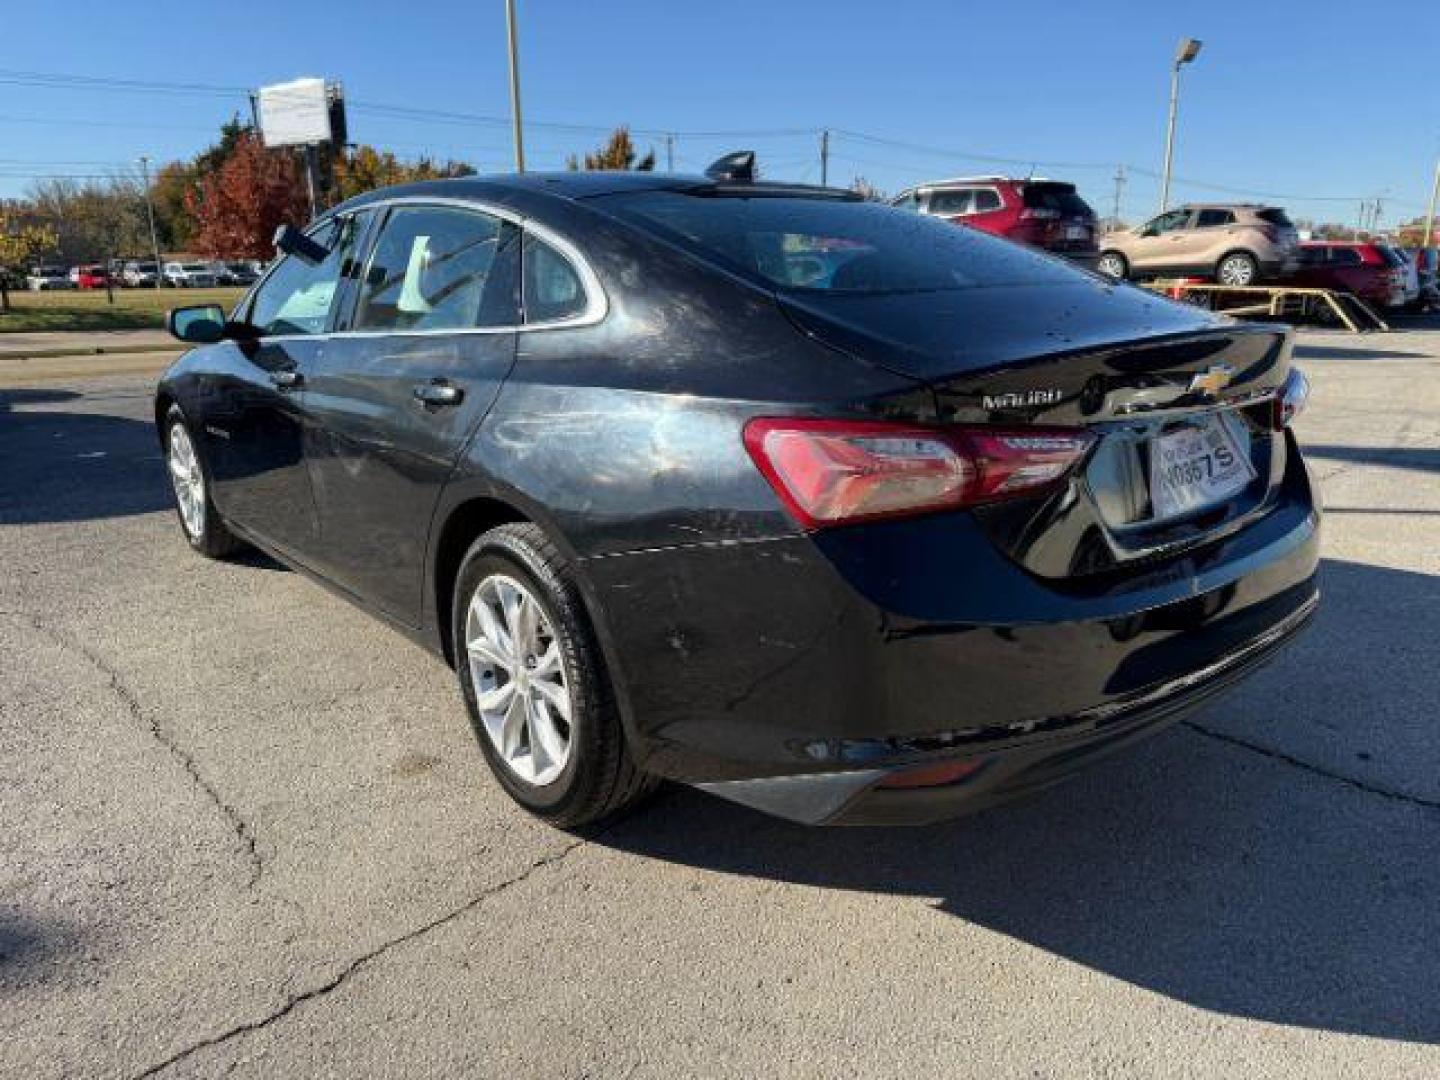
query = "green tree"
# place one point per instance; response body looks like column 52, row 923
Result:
column 21, row 241
column 617, row 155
column 365, row 168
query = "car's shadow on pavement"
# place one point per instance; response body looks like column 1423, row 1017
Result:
column 62, row 466
column 1218, row 874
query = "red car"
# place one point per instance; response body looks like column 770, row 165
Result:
column 1046, row 214
column 1370, row 271
column 89, row 277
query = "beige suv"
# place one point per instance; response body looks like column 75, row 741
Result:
column 1233, row 244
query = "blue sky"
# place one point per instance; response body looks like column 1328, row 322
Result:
column 1288, row 98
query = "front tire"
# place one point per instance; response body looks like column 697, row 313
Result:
column 1237, row 268
column 535, row 683
column 202, row 525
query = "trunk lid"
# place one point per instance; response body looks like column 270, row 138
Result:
column 1152, row 379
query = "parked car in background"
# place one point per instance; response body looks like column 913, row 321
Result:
column 1358, row 267
column 46, row 278
column 834, row 510
column 1408, row 268
column 1047, row 214
column 93, row 276
column 1427, row 268
column 234, row 273
column 138, row 274
column 1231, row 243
column 190, row 275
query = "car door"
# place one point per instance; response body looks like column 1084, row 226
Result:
column 1159, row 241
column 406, row 379
column 255, row 426
column 1208, row 238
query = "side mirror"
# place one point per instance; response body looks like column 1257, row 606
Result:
column 203, row 324
column 291, row 241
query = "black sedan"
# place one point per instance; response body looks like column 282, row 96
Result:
column 835, row 510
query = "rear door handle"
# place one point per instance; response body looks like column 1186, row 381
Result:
column 438, row 393
column 287, row 380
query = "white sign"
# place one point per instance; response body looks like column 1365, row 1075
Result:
column 294, row 113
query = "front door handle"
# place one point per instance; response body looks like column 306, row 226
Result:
column 437, row 393
column 287, row 380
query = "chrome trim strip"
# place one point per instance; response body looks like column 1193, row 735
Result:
column 597, row 303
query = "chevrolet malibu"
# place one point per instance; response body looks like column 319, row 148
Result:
column 834, row 510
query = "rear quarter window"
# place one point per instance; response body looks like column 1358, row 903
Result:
column 1275, row 217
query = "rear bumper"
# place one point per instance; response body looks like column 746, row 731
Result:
column 1010, row 770
column 797, row 673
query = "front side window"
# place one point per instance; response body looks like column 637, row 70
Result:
column 297, row 296
column 439, row 268
column 553, row 290
column 1175, row 219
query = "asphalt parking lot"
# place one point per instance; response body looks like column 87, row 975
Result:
column 246, row 832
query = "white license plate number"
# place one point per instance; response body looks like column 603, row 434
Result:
column 1196, row 466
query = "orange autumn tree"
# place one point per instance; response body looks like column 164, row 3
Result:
column 238, row 207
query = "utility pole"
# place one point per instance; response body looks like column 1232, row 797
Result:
column 150, row 213
column 515, row 86
column 669, row 153
column 825, row 158
column 1188, row 49
column 1430, row 216
column 1119, row 187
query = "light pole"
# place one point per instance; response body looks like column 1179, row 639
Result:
column 150, row 213
column 515, row 86
column 1188, row 49
column 1430, row 216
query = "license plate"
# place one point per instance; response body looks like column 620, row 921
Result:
column 1196, row 466
column 1076, row 232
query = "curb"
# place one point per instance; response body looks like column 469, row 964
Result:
column 94, row 350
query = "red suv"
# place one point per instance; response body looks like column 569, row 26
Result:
column 1370, row 271
column 1042, row 213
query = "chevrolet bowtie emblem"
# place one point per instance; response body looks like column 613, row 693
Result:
column 1212, row 380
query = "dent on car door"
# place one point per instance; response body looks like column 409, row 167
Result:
column 255, row 432
column 404, row 386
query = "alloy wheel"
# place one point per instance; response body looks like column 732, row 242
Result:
column 1237, row 270
column 519, row 679
column 1111, row 266
column 188, row 481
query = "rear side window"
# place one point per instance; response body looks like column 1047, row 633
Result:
column 553, row 290
column 1275, row 217
column 831, row 245
column 986, row 199
column 1061, row 197
column 1345, row 257
column 439, row 268
column 952, row 202
column 1209, row 218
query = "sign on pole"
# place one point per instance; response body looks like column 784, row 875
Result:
column 295, row 113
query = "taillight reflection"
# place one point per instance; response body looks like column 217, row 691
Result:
column 1291, row 398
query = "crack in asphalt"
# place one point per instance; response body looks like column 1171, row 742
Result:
column 1317, row 770
column 294, row 1001
column 126, row 696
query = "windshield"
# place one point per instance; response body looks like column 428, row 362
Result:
column 837, row 246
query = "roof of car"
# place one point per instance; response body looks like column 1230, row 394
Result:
column 575, row 185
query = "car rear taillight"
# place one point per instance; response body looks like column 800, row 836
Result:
column 1035, row 214
column 835, row 472
column 1290, row 399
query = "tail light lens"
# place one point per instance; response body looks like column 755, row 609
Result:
column 835, row 472
column 1291, row 399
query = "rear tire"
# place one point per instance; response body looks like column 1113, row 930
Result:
column 1114, row 265
column 204, row 528
column 553, row 739
column 1237, row 268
